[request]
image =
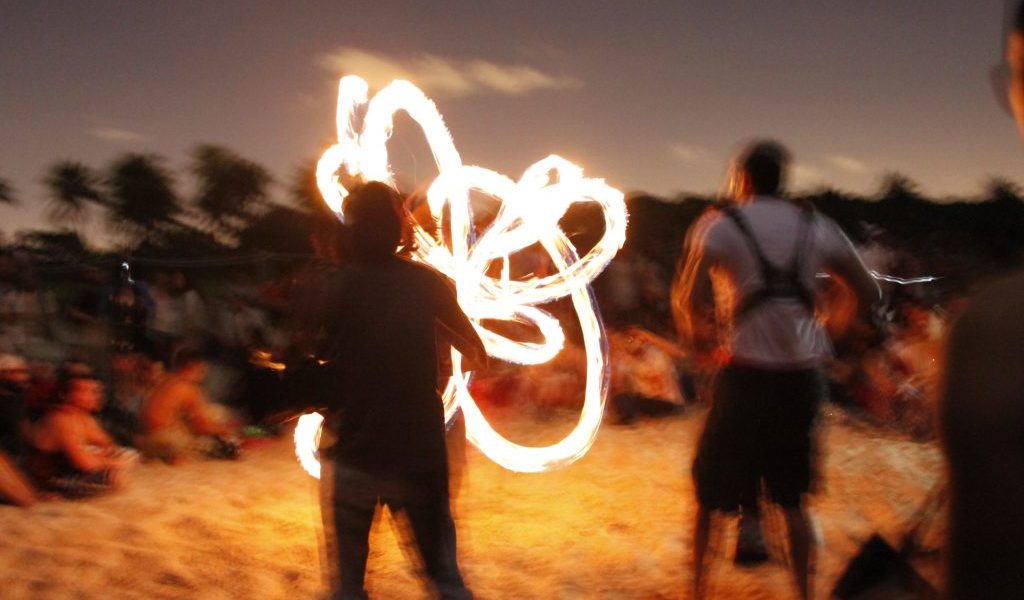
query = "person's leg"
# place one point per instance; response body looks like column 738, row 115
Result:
column 352, row 531
column 791, row 468
column 353, row 505
column 701, row 531
column 434, row 531
column 801, row 549
column 750, row 544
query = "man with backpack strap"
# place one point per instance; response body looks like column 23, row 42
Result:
column 745, row 303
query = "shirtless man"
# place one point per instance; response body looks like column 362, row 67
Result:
column 176, row 419
column 982, row 421
column 71, row 453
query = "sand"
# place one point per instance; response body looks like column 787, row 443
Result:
column 617, row 524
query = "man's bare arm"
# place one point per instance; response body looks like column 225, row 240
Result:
column 846, row 264
column 195, row 406
column 73, row 442
column 693, row 298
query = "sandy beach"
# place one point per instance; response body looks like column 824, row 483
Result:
column 617, row 524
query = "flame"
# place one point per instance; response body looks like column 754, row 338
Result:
column 307, row 438
column 528, row 215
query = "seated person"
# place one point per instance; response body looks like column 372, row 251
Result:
column 644, row 381
column 176, row 420
column 71, row 454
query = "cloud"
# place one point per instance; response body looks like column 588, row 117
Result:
column 805, row 175
column 689, row 153
column 848, row 164
column 443, row 76
column 113, row 134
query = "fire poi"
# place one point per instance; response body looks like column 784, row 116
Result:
column 528, row 215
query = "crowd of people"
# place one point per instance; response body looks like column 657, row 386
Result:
column 98, row 372
column 160, row 351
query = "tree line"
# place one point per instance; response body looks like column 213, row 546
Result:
column 960, row 240
column 231, row 211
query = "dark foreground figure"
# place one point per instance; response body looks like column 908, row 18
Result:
column 982, row 414
column 382, row 318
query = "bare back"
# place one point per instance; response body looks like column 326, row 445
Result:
column 173, row 403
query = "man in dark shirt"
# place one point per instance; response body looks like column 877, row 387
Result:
column 383, row 317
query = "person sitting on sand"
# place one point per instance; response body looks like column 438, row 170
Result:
column 645, row 381
column 176, row 419
column 71, row 454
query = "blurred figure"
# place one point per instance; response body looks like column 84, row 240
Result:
column 14, row 428
column 763, row 254
column 982, row 420
column 128, row 308
column 176, row 420
column 384, row 409
column 165, row 326
column 71, row 453
column 645, row 381
column 14, row 379
column 132, row 377
column 1015, row 61
column 193, row 311
column 915, row 354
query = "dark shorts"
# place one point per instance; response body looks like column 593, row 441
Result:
column 759, row 430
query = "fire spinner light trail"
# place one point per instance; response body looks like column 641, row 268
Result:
column 528, row 215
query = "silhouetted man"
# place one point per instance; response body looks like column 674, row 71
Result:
column 383, row 314
column 764, row 253
column 982, row 414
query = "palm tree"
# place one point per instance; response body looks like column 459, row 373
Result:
column 232, row 189
column 7, row 193
column 73, row 186
column 142, row 199
column 304, row 191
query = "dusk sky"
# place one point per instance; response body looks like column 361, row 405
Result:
column 649, row 95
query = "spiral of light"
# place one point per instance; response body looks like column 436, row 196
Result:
column 529, row 214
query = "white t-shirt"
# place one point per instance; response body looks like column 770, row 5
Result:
column 780, row 332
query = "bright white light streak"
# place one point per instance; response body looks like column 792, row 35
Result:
column 307, row 439
column 528, row 215
column 901, row 281
column 891, row 278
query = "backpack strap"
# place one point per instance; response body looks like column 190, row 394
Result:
column 776, row 282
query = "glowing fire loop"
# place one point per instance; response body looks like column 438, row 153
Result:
column 529, row 214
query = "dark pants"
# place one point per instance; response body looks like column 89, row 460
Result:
column 759, row 432
column 423, row 507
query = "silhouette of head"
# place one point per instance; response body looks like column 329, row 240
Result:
column 372, row 214
column 761, row 170
column 1015, row 59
